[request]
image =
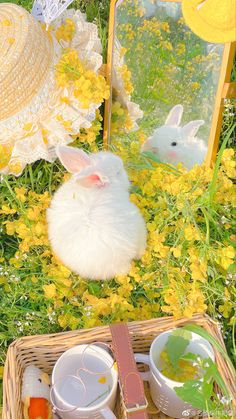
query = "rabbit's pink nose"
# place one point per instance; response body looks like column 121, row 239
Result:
column 172, row 154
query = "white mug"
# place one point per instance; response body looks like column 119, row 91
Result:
column 76, row 393
column 162, row 388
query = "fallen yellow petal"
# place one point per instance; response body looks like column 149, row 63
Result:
column 102, row 380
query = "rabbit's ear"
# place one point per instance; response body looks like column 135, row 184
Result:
column 190, row 130
column 89, row 178
column 175, row 115
column 73, row 159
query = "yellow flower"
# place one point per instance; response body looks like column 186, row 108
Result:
column 176, row 251
column 180, row 49
column 10, row 228
column 66, row 31
column 50, row 291
column 11, row 41
column 181, row 21
column 15, row 167
column 5, row 155
column 126, row 75
column 68, row 321
column 228, row 163
column 33, row 213
column 191, row 234
column 226, row 309
column 225, row 256
column 199, row 270
column 195, row 85
column 20, row 194
column 6, row 22
column 102, row 380
column 7, row 210
column 28, row 126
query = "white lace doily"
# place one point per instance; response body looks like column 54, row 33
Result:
column 41, row 114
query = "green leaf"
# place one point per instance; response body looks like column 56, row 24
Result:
column 203, row 333
column 151, row 156
column 176, row 345
column 94, row 288
column 193, row 392
column 189, row 357
column 207, row 389
column 213, row 373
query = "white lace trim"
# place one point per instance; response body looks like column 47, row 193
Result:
column 42, row 112
column 123, row 97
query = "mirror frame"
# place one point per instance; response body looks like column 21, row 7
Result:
column 226, row 89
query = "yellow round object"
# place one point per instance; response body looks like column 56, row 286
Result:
column 212, row 20
column 26, row 55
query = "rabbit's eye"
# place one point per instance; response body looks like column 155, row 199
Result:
column 174, row 143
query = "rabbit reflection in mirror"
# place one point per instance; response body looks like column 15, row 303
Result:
column 93, row 227
column 174, row 144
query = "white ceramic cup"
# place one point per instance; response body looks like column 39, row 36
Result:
column 162, row 388
column 76, row 393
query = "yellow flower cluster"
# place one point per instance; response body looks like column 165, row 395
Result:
column 66, row 31
column 87, row 86
column 183, row 299
column 226, row 256
column 229, row 163
column 120, row 120
column 5, row 155
column 30, row 227
column 89, row 135
column 126, row 75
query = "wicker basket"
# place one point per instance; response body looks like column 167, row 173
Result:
column 44, row 350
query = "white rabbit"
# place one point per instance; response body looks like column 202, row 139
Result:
column 93, row 227
column 173, row 144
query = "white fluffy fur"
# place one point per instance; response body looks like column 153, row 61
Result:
column 93, row 227
column 189, row 150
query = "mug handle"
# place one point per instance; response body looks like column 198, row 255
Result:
column 107, row 413
column 144, row 359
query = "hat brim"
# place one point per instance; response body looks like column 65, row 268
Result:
column 203, row 29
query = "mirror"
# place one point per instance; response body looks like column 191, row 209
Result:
column 165, row 82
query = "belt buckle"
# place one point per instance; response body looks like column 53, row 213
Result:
column 137, row 407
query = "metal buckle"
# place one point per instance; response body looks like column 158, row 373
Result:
column 137, row 407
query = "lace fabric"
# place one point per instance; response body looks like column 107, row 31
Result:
column 35, row 131
column 48, row 10
column 118, row 85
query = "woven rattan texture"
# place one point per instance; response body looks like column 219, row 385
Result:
column 26, row 54
column 43, row 351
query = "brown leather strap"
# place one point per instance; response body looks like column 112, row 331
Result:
column 130, row 380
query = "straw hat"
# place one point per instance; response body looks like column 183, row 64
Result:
column 212, row 20
column 33, row 118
